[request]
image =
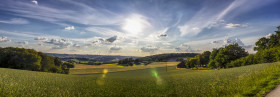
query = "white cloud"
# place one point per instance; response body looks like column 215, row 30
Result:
column 22, row 43
column 78, row 46
column 185, row 48
column 70, row 28
column 35, row 2
column 231, row 40
column 150, row 49
column 15, row 21
column 188, row 30
column 115, row 48
column 268, row 35
column 60, row 43
column 231, row 25
column 4, row 39
column 41, row 38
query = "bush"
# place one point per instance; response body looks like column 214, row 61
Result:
column 68, row 65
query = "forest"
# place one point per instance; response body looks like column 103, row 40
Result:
column 29, row 59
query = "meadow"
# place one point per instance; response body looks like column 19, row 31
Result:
column 90, row 69
column 240, row 81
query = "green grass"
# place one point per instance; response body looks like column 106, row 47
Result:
column 81, row 62
column 90, row 69
column 241, row 81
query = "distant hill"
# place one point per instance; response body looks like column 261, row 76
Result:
column 167, row 57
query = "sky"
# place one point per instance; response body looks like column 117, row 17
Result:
column 135, row 27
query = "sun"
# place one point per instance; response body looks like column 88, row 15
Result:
column 134, row 24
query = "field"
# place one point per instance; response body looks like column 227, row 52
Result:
column 240, row 81
column 90, row 69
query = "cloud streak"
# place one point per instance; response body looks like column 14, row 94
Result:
column 15, row 21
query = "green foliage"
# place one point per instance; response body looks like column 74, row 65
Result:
column 179, row 59
column 267, row 43
column 68, row 65
column 214, row 54
column 226, row 55
column 57, row 61
column 212, row 64
column 126, row 62
column 199, row 60
column 268, row 55
column 191, row 62
column 95, row 63
column 29, row 59
column 19, row 58
column 268, row 51
column 182, row 64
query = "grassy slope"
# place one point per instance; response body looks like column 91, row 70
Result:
column 240, row 81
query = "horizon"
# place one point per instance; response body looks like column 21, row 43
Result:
column 135, row 28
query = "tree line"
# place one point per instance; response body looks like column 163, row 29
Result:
column 233, row 55
column 166, row 57
column 29, row 59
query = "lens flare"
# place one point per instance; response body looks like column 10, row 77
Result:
column 105, row 71
column 101, row 80
column 158, row 79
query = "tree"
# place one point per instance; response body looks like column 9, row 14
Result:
column 57, row 62
column 227, row 54
column 213, row 54
column 180, row 59
column 68, row 65
column 191, row 62
column 205, row 57
column 182, row 64
column 28, row 59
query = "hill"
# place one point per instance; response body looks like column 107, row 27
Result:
column 167, row 56
column 81, row 57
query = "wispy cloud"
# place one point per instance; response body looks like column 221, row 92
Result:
column 84, row 15
column 15, row 21
column 103, row 31
column 41, row 38
column 231, row 25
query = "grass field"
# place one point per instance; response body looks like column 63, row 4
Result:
column 241, row 81
column 90, row 69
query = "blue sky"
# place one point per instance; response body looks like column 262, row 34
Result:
column 135, row 27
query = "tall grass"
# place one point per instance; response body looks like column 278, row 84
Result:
column 241, row 81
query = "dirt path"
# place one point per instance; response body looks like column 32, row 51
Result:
column 274, row 93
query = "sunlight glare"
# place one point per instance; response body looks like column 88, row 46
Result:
column 135, row 24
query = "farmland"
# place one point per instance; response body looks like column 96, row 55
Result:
column 240, row 81
column 89, row 69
